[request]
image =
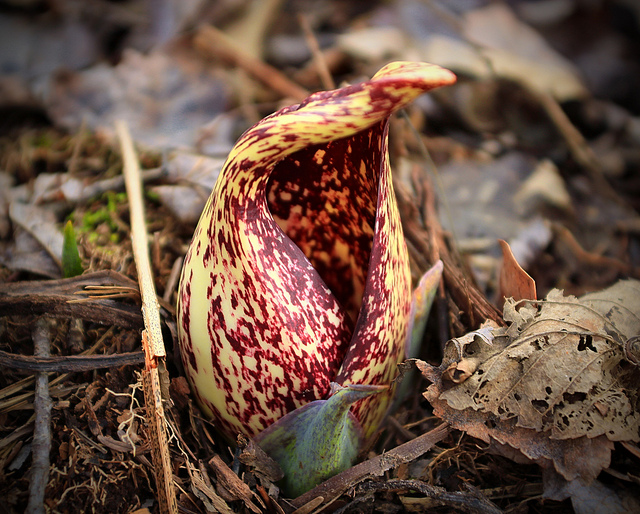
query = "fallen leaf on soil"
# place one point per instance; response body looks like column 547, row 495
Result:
column 39, row 223
column 372, row 44
column 516, row 50
column 515, row 282
column 544, row 188
column 165, row 96
column 590, row 498
column 553, row 387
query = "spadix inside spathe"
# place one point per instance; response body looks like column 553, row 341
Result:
column 324, row 197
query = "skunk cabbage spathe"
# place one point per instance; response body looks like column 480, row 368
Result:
column 298, row 274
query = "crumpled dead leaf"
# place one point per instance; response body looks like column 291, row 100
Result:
column 590, row 498
column 553, row 387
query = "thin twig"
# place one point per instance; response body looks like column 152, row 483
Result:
column 42, row 404
column 68, row 363
column 472, row 501
column 579, row 147
column 589, row 258
column 319, row 60
column 140, row 242
column 59, row 298
column 78, row 140
column 152, row 342
column 214, row 42
column 9, row 401
column 172, row 281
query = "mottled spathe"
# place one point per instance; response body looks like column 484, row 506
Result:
column 298, row 274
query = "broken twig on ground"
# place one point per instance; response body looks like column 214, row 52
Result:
column 69, row 363
column 152, row 342
column 61, row 298
column 472, row 502
column 214, row 42
column 42, row 404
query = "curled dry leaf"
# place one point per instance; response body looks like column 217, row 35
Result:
column 515, row 282
column 460, row 369
column 632, row 350
column 458, row 372
column 555, row 386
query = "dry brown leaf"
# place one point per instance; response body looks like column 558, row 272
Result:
column 515, row 282
column 555, row 385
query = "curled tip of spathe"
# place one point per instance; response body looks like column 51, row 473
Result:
column 430, row 75
column 391, row 88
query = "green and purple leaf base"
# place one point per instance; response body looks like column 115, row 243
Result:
column 317, row 440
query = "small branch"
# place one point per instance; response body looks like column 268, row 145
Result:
column 42, row 404
column 217, row 44
column 472, row 502
column 59, row 298
column 66, row 364
column 592, row 259
column 318, row 58
column 152, row 342
column 579, row 147
column 174, row 278
column 140, row 242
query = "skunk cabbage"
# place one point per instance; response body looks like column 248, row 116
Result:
column 298, row 274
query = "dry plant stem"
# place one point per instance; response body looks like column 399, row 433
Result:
column 72, row 363
column 41, row 445
column 9, row 401
column 309, row 507
column 17, row 434
column 60, row 298
column 333, row 57
column 172, row 281
column 202, row 488
column 215, row 43
column 432, row 241
column 77, row 146
column 318, row 58
column 472, row 502
column 430, row 213
column 467, row 296
column 579, row 147
column 592, row 259
column 233, row 486
column 337, row 485
column 140, row 243
column 152, row 335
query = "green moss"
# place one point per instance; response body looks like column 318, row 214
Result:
column 43, row 139
column 152, row 196
column 103, row 215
